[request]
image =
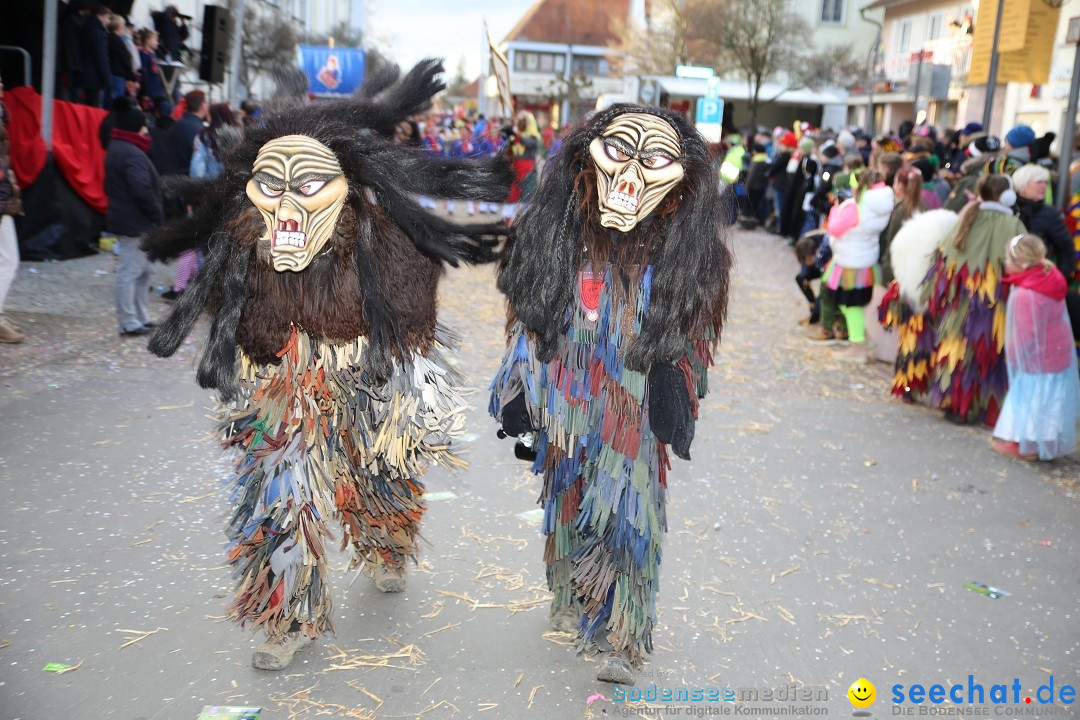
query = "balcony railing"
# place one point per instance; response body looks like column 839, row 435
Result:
column 954, row 51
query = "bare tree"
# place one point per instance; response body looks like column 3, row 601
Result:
column 657, row 48
column 342, row 34
column 831, row 66
column 269, row 40
column 568, row 87
column 759, row 41
column 456, row 86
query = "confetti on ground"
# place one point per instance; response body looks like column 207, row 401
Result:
column 215, row 712
column 988, row 590
column 440, row 496
column 533, row 517
column 61, row 668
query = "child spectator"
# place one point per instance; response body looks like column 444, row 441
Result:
column 813, row 253
column 845, row 181
column 853, row 271
column 1038, row 417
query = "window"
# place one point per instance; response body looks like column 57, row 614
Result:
column 903, row 36
column 832, row 11
column 539, row 62
column 937, row 22
column 587, row 65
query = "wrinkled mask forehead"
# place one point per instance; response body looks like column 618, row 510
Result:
column 638, row 160
column 298, row 186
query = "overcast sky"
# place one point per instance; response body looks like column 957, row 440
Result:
column 450, row 29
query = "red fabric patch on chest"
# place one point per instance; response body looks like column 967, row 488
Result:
column 591, row 286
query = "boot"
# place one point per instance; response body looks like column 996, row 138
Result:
column 614, row 668
column 566, row 619
column 389, row 580
column 278, row 654
column 8, row 334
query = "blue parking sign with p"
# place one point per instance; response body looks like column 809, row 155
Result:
column 710, row 111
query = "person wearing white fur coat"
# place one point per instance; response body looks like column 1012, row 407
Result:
column 901, row 311
column 854, row 270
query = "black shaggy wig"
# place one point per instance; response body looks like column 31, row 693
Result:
column 377, row 277
column 684, row 239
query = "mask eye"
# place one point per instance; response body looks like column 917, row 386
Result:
column 269, row 191
column 311, row 187
column 655, row 162
column 615, row 153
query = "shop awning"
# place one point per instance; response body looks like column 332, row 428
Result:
column 738, row 90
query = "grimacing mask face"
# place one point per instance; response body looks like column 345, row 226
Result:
column 637, row 163
column 299, row 188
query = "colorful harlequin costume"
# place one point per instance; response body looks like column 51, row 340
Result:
column 617, row 280
column 321, row 276
column 901, row 310
column 1072, row 298
column 966, row 305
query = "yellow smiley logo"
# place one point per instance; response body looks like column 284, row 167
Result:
column 862, row 693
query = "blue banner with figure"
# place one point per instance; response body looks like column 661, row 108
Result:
column 332, row 71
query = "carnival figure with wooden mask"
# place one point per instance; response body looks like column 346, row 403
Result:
column 321, row 278
column 617, row 281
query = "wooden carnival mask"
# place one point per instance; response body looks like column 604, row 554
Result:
column 298, row 186
column 637, row 162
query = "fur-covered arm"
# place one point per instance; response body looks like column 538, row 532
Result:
column 186, row 233
column 447, row 177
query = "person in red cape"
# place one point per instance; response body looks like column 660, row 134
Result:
column 524, row 146
column 1038, row 418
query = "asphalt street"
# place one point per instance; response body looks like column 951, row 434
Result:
column 822, row 533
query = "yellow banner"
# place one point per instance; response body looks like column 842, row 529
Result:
column 1025, row 46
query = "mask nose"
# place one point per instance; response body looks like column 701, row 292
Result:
column 630, row 182
column 288, row 216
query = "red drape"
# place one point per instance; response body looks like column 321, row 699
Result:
column 76, row 146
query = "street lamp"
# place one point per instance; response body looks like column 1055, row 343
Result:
column 871, row 72
column 991, row 79
column 1068, row 122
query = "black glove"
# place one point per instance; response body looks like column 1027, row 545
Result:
column 671, row 414
column 515, row 417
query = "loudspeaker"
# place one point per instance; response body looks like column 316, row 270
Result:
column 217, row 24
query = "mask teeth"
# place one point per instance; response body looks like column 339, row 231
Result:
column 623, row 201
column 290, row 238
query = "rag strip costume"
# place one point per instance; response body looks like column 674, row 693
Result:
column 321, row 278
column 966, row 305
column 617, row 279
column 901, row 310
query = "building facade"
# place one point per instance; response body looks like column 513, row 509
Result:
column 923, row 69
column 559, row 59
